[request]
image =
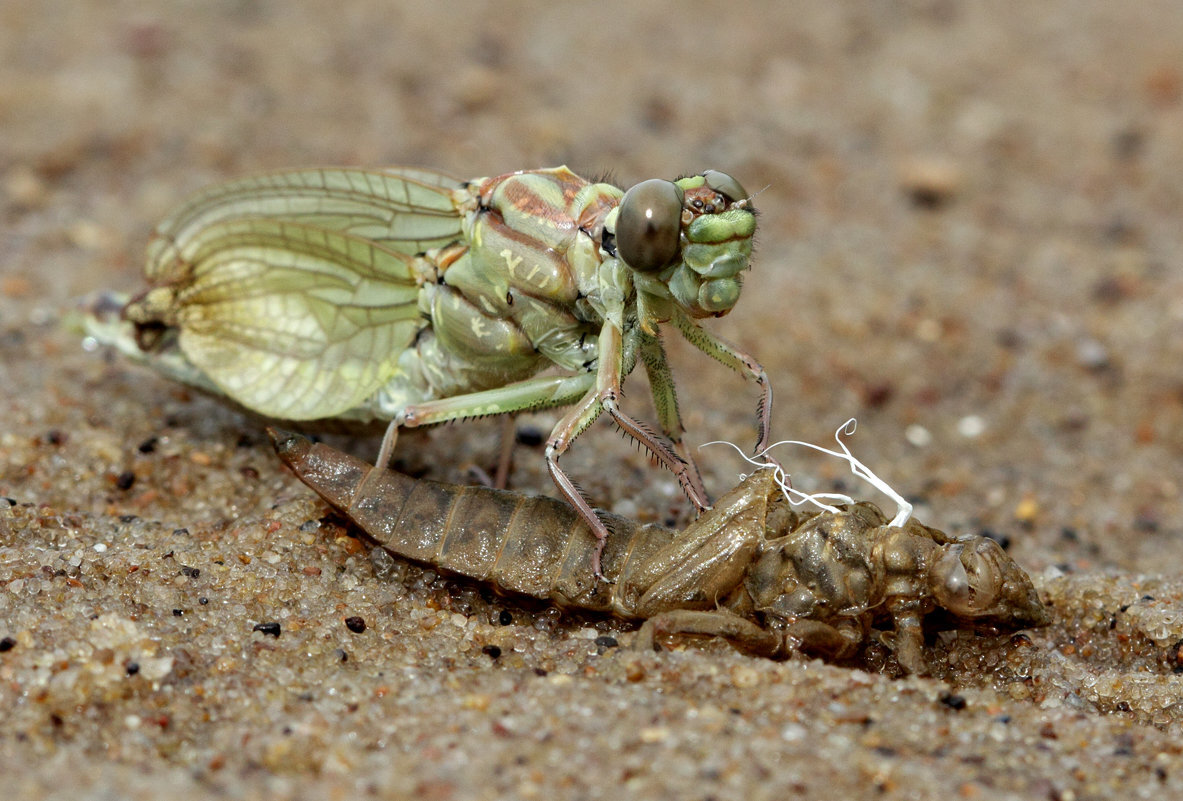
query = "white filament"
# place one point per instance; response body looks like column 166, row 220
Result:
column 796, row 497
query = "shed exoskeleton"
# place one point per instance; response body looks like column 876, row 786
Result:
column 751, row 569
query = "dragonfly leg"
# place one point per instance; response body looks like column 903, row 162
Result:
column 389, row 440
column 608, row 390
column 505, row 452
column 532, row 394
column 603, row 397
column 569, row 427
column 737, row 360
column 665, row 401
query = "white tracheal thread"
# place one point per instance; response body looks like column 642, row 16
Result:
column 796, row 497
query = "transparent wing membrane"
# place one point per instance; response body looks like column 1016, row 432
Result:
column 295, row 321
column 404, row 210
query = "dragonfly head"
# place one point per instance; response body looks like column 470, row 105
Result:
column 693, row 235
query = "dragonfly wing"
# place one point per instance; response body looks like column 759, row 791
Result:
column 402, row 209
column 293, row 321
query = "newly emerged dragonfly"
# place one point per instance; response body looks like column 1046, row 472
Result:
column 406, row 296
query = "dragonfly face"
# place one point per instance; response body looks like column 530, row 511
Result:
column 692, row 236
column 407, row 296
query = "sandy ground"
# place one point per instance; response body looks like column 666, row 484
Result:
column 969, row 240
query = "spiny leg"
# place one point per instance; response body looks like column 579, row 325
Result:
column 665, row 401
column 613, row 350
column 737, row 360
column 569, row 427
column 603, row 397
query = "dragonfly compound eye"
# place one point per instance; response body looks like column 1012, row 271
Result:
column 725, row 185
column 650, row 224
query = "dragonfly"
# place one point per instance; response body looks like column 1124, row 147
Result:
column 406, row 296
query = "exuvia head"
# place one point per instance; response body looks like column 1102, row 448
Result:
column 974, row 579
column 693, row 235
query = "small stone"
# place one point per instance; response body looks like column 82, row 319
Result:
column 930, row 181
column 953, row 701
column 1027, row 510
column 744, row 677
column 356, row 624
column 971, row 426
column 1091, row 354
column 271, row 628
column 918, row 435
column 654, row 734
column 477, row 701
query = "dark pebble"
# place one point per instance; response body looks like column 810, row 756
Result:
column 492, row 651
column 1174, row 656
column 190, row 572
column 272, row 629
column 953, row 701
column 7, row 644
column 132, row 668
column 606, row 641
column 125, row 480
column 356, row 624
column 505, row 618
column 148, row 445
